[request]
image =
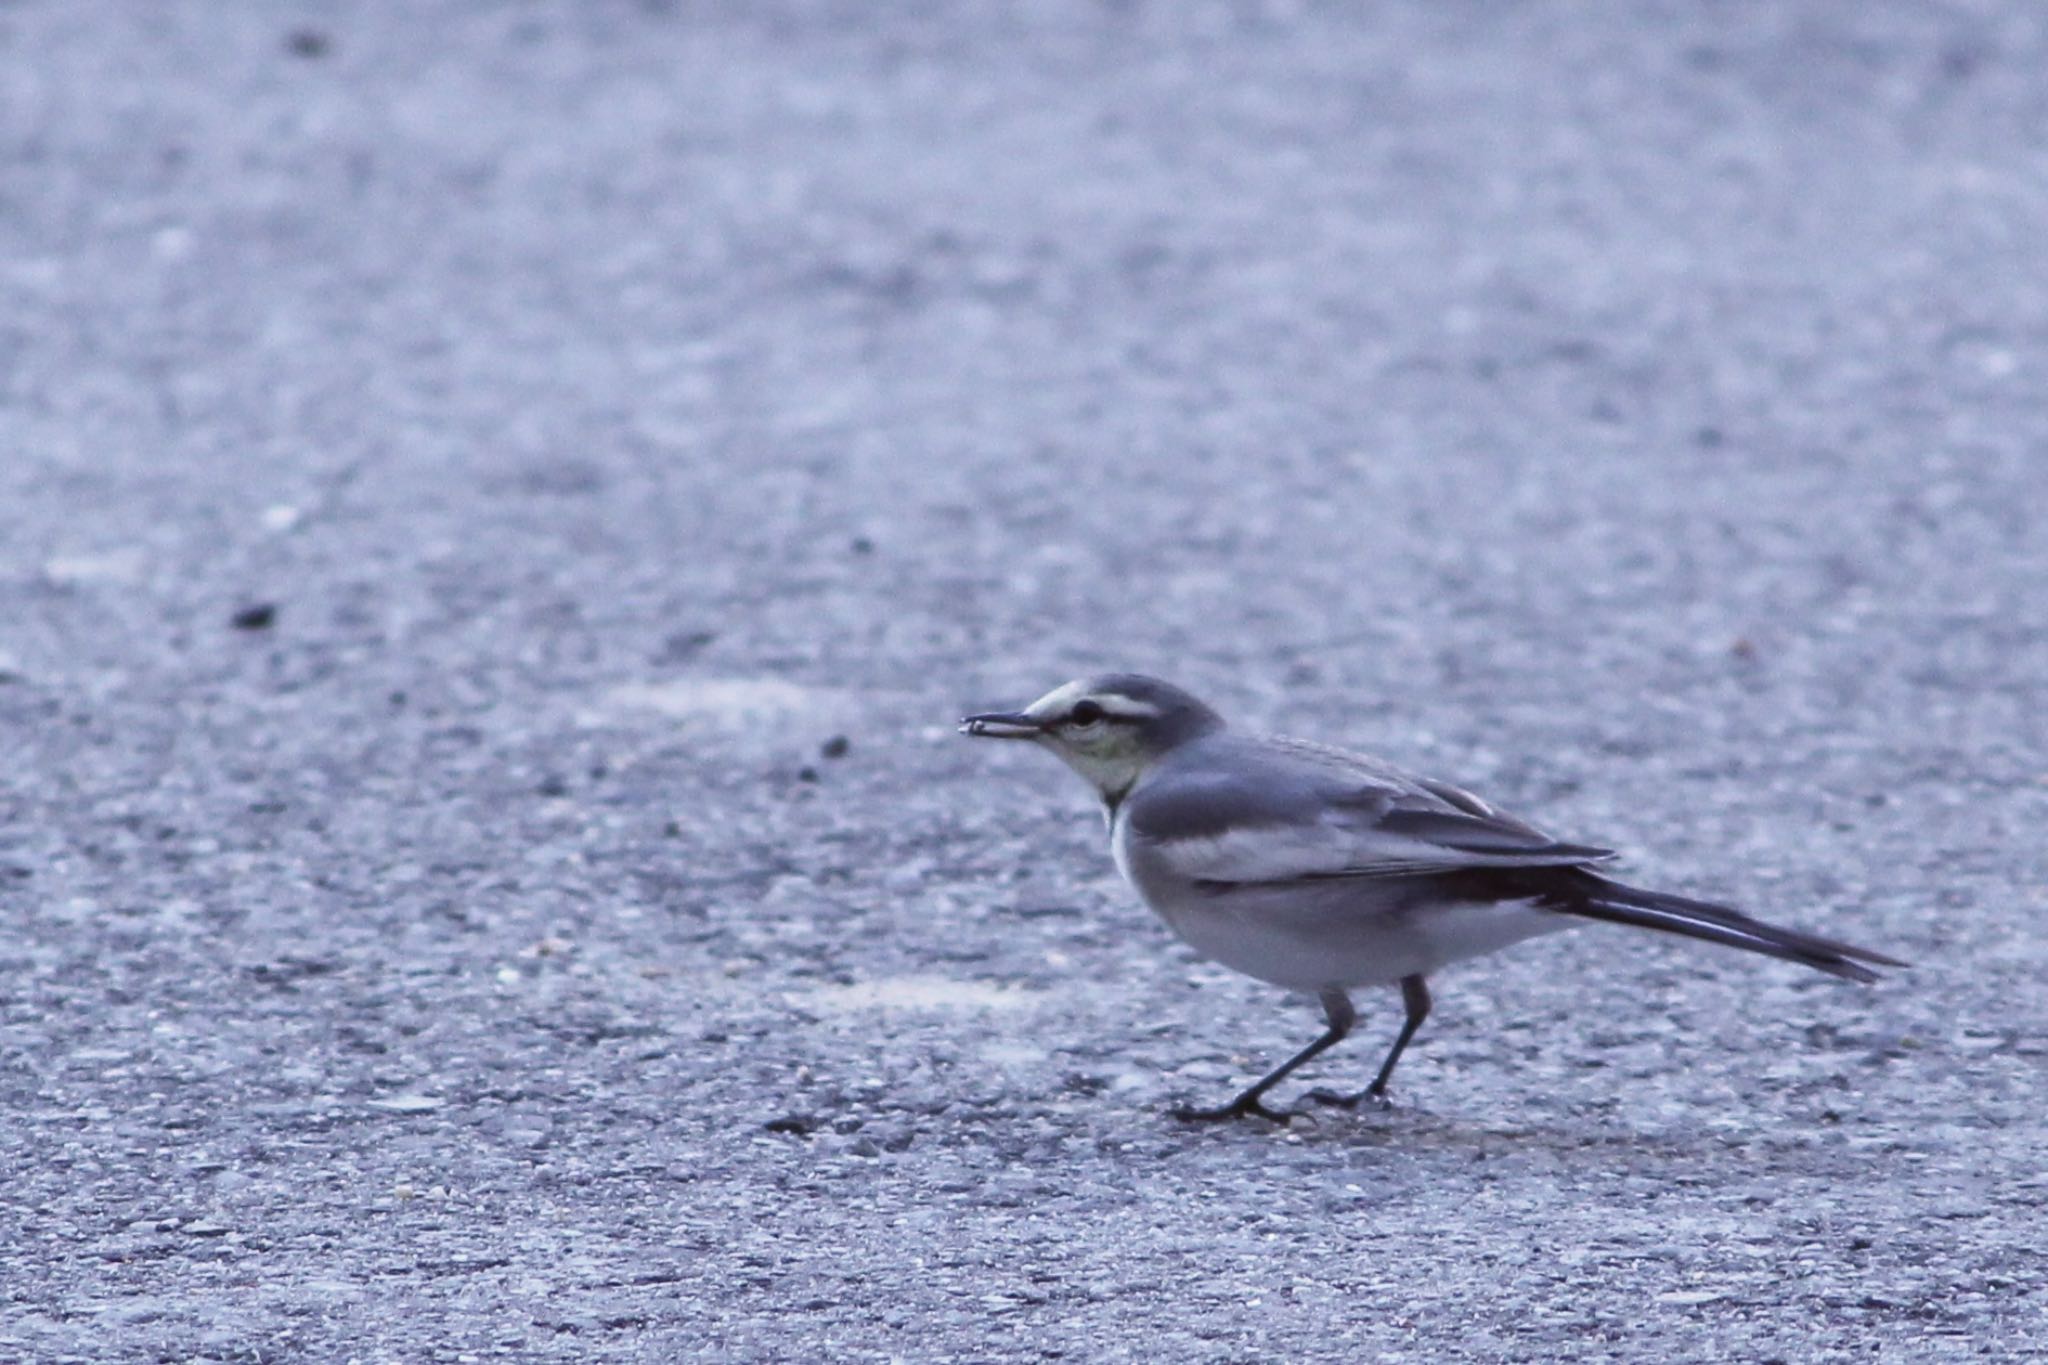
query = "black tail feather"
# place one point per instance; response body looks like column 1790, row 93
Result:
column 1591, row 896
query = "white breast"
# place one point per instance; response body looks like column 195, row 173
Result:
column 1119, row 842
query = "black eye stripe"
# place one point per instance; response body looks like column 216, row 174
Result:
column 1088, row 711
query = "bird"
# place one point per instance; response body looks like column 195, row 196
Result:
column 1321, row 870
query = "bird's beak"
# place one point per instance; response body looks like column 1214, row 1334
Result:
column 1002, row 725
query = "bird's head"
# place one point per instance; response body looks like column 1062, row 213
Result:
column 1109, row 729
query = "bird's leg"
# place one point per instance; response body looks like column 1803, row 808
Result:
column 1415, row 996
column 1341, row 1016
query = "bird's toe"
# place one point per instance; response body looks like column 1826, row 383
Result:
column 1188, row 1113
column 1364, row 1099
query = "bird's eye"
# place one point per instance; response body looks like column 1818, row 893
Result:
column 1084, row 713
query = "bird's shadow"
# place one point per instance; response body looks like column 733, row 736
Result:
column 1694, row 1154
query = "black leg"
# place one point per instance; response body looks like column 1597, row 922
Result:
column 1337, row 1009
column 1415, row 996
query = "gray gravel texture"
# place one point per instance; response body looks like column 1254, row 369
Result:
column 462, row 464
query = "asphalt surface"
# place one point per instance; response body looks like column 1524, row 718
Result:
column 463, row 465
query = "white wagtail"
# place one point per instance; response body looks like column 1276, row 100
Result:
column 1319, row 870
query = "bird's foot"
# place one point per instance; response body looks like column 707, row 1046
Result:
column 1236, row 1109
column 1368, row 1098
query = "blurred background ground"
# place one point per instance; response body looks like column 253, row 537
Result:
column 462, row 465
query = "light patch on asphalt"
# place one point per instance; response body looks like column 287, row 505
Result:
column 725, row 702
column 126, row 565
column 1013, row 1053
column 920, row 993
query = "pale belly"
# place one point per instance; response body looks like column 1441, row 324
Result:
column 1340, row 934
column 1316, row 947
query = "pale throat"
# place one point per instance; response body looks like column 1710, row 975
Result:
column 1111, row 774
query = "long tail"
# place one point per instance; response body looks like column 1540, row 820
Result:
column 1592, row 896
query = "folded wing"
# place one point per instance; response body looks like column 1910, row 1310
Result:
column 1281, row 826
